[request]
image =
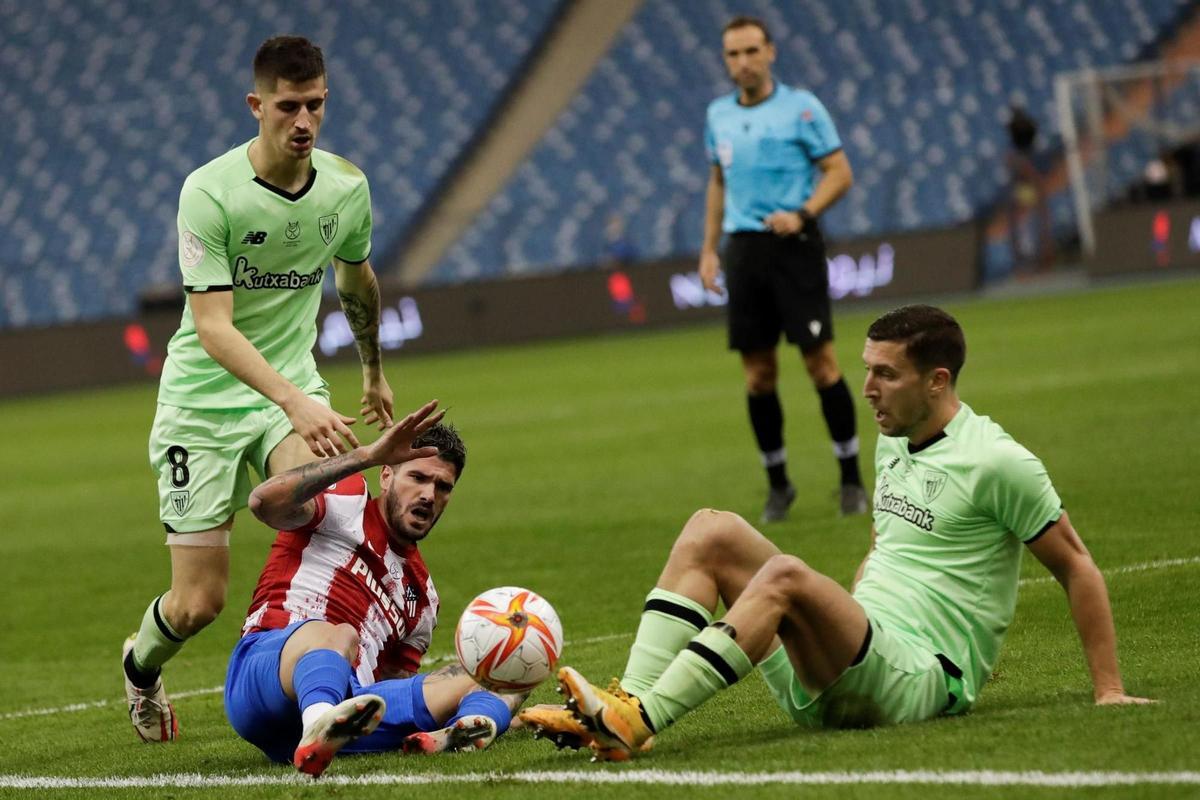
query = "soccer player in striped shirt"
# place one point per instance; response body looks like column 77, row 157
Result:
column 957, row 501
column 345, row 609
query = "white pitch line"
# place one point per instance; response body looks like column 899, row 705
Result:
column 1145, row 566
column 653, row 777
column 43, row 712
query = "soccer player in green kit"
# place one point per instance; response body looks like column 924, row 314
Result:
column 240, row 388
column 956, row 502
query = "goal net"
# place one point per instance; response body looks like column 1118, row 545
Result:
column 1128, row 131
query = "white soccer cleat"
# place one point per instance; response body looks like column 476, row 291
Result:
column 150, row 711
column 465, row 736
column 350, row 719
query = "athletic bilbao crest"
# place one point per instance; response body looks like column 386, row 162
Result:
column 328, row 225
column 179, row 501
column 934, row 483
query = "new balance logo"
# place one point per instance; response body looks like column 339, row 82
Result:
column 254, row 237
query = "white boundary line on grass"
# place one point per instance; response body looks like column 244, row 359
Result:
column 42, row 712
column 652, row 777
column 1145, row 566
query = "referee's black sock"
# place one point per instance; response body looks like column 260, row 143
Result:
column 838, row 408
column 766, row 417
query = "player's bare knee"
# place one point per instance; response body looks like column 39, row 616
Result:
column 706, row 531
column 824, row 378
column 761, row 379
column 822, row 368
column 761, row 371
column 197, row 612
column 712, row 536
column 344, row 639
column 699, row 520
column 785, row 574
column 321, row 635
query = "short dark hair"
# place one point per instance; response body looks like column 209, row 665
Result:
column 450, row 445
column 292, row 58
column 932, row 338
column 744, row 21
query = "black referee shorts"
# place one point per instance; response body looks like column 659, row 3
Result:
column 777, row 284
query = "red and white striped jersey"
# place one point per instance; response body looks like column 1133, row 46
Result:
column 342, row 567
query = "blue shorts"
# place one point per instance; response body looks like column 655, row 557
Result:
column 263, row 715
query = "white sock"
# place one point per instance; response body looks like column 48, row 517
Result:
column 310, row 714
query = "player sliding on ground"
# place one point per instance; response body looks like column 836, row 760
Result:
column 345, row 608
column 956, row 500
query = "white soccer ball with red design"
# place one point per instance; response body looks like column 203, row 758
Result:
column 509, row 639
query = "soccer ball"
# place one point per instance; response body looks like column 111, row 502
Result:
column 508, row 639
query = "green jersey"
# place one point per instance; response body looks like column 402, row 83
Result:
column 950, row 519
column 270, row 248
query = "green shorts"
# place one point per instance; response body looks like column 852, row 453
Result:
column 202, row 458
column 899, row 680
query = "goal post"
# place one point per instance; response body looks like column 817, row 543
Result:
column 1116, row 121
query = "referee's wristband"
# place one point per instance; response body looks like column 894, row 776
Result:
column 806, row 215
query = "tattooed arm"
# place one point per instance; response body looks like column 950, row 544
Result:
column 358, row 291
column 287, row 501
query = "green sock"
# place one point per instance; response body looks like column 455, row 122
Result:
column 711, row 662
column 156, row 640
column 669, row 621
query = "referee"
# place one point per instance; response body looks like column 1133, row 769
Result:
column 777, row 164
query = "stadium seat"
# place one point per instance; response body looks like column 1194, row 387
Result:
column 111, row 104
column 920, row 94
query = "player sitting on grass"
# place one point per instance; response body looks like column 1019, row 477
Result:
column 955, row 499
column 345, row 608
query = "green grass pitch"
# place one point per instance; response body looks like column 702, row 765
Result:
column 586, row 457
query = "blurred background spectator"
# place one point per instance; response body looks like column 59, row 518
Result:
column 1028, row 209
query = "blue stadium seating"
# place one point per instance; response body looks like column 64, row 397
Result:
column 111, row 103
column 920, row 92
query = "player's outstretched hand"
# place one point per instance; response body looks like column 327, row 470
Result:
column 376, row 401
column 1122, row 699
column 710, row 266
column 324, row 430
column 395, row 446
